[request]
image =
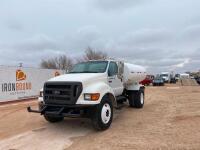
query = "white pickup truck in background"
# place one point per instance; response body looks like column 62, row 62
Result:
column 92, row 89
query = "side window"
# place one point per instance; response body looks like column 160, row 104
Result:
column 113, row 69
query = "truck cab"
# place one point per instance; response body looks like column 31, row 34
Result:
column 92, row 89
column 165, row 76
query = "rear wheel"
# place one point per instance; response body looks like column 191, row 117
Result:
column 102, row 115
column 53, row 119
column 136, row 98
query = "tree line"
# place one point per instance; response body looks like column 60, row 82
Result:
column 64, row 62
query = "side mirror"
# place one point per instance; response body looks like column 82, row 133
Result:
column 120, row 70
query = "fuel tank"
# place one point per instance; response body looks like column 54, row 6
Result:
column 133, row 73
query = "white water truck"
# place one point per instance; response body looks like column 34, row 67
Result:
column 92, row 89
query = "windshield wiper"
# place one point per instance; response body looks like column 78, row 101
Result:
column 74, row 72
column 90, row 72
column 84, row 72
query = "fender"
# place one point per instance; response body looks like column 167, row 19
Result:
column 134, row 87
column 98, row 87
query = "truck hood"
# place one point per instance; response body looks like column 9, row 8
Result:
column 165, row 78
column 79, row 77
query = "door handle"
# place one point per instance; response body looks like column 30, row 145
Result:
column 113, row 77
column 110, row 81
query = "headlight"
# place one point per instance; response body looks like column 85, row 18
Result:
column 41, row 93
column 91, row 96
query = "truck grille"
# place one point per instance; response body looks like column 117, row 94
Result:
column 62, row 93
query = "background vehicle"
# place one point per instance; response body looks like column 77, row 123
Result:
column 184, row 76
column 177, row 77
column 92, row 89
column 148, row 80
column 198, row 80
column 192, row 77
column 166, row 76
column 158, row 81
column 173, row 80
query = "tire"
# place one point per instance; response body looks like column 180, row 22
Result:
column 53, row 119
column 102, row 115
column 136, row 98
column 120, row 101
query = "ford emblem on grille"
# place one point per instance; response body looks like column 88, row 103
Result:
column 56, row 92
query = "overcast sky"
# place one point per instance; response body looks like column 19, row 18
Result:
column 161, row 35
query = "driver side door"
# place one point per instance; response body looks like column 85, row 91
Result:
column 113, row 80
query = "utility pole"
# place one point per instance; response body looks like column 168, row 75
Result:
column 20, row 64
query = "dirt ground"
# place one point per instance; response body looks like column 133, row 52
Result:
column 170, row 119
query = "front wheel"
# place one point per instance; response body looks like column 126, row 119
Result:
column 53, row 119
column 102, row 115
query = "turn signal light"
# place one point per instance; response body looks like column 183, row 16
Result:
column 92, row 96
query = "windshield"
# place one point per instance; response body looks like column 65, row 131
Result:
column 90, row 67
column 177, row 75
column 164, row 75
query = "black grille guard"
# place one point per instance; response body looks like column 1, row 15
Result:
column 60, row 111
column 64, row 93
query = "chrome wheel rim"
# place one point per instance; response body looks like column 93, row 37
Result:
column 142, row 98
column 106, row 113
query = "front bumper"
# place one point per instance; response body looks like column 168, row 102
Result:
column 61, row 110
